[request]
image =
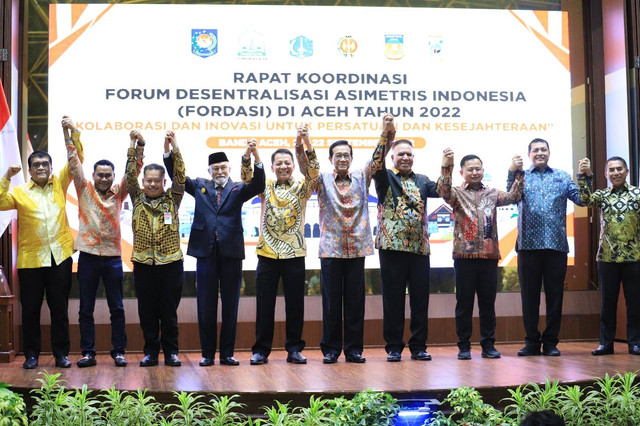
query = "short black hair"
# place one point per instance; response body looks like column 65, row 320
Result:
column 542, row 418
column 338, row 143
column 280, row 151
column 537, row 140
column 469, row 158
column 616, row 158
column 151, row 167
column 400, row 142
column 39, row 154
column 104, row 163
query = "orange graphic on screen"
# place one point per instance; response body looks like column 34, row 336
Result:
column 554, row 35
column 62, row 36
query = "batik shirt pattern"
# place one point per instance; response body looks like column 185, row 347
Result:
column 475, row 234
column 542, row 217
column 619, row 220
column 98, row 215
column 344, row 210
column 156, row 236
column 283, row 207
column 402, row 217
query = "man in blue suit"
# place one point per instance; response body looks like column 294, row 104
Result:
column 217, row 242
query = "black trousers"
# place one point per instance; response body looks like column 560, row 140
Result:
column 535, row 268
column 55, row 282
column 342, row 282
column 399, row 270
column 268, row 274
column 610, row 275
column 91, row 268
column 476, row 276
column 159, row 288
column 218, row 273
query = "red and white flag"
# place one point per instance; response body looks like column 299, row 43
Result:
column 9, row 153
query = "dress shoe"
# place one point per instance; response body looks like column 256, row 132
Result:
column 394, row 356
column 421, row 356
column 30, row 363
column 356, row 358
column 464, row 354
column 172, row 360
column 529, row 351
column 259, row 359
column 550, row 351
column 63, row 362
column 229, row 360
column 490, row 352
column 206, row 362
column 149, row 361
column 88, row 360
column 296, row 357
column 634, row 350
column 602, row 350
column 330, row 358
column 120, row 360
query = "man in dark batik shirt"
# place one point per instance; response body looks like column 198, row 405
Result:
column 619, row 251
column 403, row 244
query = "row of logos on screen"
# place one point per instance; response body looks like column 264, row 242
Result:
column 252, row 45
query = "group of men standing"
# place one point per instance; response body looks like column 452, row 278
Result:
column 45, row 246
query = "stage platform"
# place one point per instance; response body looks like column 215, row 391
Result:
column 260, row 385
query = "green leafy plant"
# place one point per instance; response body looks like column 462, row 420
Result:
column 616, row 398
column 81, row 409
column 13, row 410
column 141, row 409
column 532, row 397
column 544, row 398
column 468, row 408
column 224, row 411
column 519, row 407
column 316, row 414
column 50, row 400
column 366, row 408
column 114, row 408
column 610, row 401
column 279, row 415
column 628, row 398
column 189, row 411
column 578, row 405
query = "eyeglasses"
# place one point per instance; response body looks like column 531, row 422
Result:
column 342, row 156
column 43, row 164
column 217, row 169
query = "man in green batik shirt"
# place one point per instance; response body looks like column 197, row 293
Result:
column 403, row 247
column 619, row 251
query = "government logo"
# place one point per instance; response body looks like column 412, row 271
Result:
column 301, row 47
column 394, row 46
column 204, row 43
column 347, row 46
column 436, row 47
column 251, row 45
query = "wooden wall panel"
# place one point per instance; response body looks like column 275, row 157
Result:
column 580, row 322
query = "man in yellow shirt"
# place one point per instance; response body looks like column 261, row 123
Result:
column 281, row 248
column 45, row 246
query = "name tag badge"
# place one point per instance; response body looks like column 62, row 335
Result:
column 167, row 218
